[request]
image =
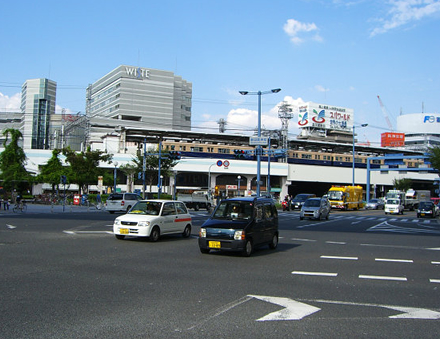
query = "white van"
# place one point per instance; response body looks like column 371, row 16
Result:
column 393, row 206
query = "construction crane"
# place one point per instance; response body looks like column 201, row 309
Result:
column 385, row 113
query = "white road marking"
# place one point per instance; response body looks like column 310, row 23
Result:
column 322, row 274
column 88, row 232
column 409, row 312
column 293, row 310
column 378, row 277
column 299, row 239
column 339, row 258
column 435, row 262
column 437, row 281
column 394, row 260
column 11, row 227
column 336, row 242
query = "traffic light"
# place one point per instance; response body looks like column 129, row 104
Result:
column 216, row 191
column 174, row 155
column 239, row 154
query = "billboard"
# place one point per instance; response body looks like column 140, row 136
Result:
column 419, row 123
column 392, row 139
column 313, row 115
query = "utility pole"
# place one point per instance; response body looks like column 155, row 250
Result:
column 285, row 114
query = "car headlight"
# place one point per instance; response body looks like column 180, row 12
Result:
column 144, row 223
column 202, row 233
column 239, row 235
column 117, row 222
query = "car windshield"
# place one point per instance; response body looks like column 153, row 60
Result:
column 374, row 201
column 234, row 210
column 392, row 202
column 312, row 203
column 426, row 204
column 301, row 197
column 335, row 195
column 146, row 208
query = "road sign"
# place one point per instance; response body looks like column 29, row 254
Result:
column 258, row 141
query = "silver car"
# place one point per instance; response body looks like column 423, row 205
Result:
column 316, row 208
column 375, row 204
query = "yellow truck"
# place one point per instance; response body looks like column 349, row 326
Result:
column 345, row 197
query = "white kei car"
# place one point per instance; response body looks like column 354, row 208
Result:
column 153, row 218
column 393, row 206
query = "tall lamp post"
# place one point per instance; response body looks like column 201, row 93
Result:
column 114, row 176
column 259, row 149
column 354, row 134
column 238, row 179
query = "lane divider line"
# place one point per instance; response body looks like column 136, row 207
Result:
column 395, row 260
column 379, row 277
column 339, row 258
column 322, row 274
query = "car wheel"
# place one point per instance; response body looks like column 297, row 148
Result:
column 274, row 242
column 248, row 248
column 204, row 250
column 326, row 218
column 119, row 236
column 418, row 215
column 301, row 218
column 111, row 212
column 187, row 231
column 155, row 234
column 128, row 209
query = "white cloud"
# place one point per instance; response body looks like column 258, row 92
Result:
column 295, row 28
column 404, row 12
column 320, row 88
column 245, row 121
column 10, row 104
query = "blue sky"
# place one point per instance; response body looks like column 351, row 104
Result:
column 341, row 53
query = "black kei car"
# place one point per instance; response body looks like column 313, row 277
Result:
column 426, row 209
column 240, row 224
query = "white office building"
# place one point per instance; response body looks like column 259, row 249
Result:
column 422, row 130
column 131, row 96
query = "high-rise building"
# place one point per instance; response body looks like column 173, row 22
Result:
column 38, row 97
column 131, row 96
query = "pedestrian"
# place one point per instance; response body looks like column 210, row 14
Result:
column 5, row 203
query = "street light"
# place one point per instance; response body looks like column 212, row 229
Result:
column 159, row 186
column 239, row 178
column 259, row 149
column 363, row 125
column 114, row 176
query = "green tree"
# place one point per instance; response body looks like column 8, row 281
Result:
column 152, row 165
column 53, row 170
column 12, row 163
column 85, row 167
column 403, row 184
column 130, row 170
column 434, row 157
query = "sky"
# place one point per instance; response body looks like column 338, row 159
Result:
column 333, row 52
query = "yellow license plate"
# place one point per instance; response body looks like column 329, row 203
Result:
column 124, row 231
column 214, row 244
column 423, row 214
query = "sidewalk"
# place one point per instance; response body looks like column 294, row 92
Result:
column 41, row 208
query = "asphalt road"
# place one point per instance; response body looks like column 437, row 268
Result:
column 358, row 274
